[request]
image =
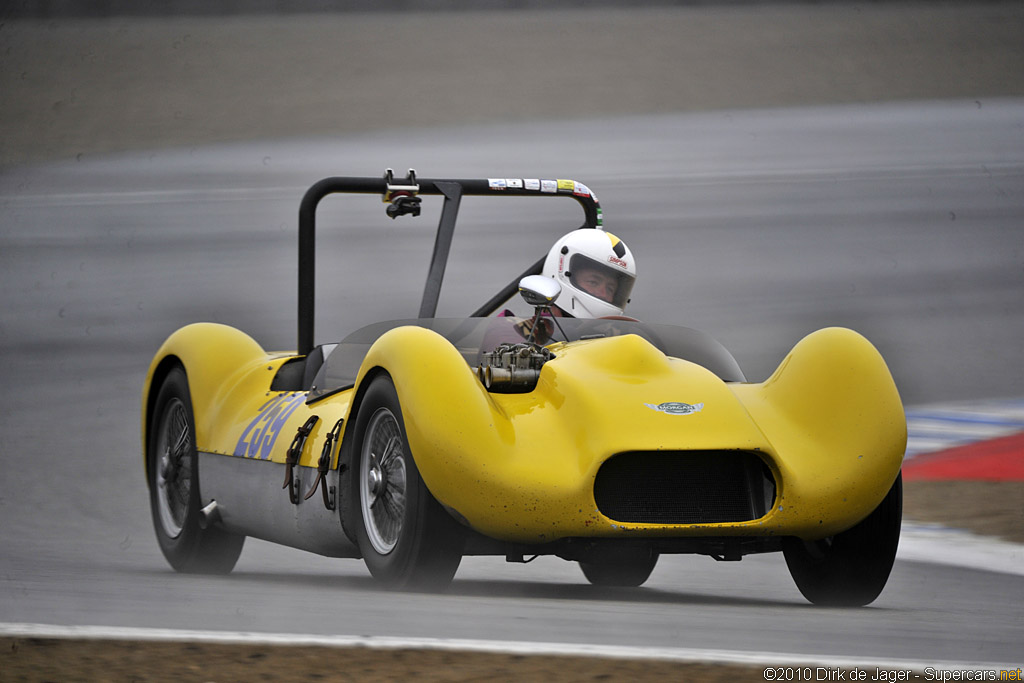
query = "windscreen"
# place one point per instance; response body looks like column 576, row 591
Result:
column 476, row 336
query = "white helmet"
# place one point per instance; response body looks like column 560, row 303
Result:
column 596, row 271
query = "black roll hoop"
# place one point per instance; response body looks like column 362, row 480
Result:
column 404, row 198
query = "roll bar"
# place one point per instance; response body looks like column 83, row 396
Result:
column 403, row 198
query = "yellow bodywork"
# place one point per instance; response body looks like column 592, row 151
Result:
column 521, row 467
column 229, row 377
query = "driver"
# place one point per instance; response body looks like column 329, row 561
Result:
column 596, row 271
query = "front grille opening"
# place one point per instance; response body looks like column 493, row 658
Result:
column 684, row 487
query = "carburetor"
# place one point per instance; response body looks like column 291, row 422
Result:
column 513, row 368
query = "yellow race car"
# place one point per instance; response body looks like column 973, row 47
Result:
column 607, row 441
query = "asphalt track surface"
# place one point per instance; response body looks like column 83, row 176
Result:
column 899, row 220
column 902, row 221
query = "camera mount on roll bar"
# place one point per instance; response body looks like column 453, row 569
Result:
column 401, row 199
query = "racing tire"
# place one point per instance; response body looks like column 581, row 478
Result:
column 173, row 473
column 407, row 539
column 628, row 571
column 851, row 568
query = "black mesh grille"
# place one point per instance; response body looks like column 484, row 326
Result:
column 684, row 487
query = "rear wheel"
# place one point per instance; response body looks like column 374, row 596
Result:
column 852, row 567
column 174, row 487
column 626, row 571
column 407, row 539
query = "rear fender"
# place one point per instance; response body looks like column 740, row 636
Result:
column 212, row 356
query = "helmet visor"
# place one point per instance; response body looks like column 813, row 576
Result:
column 608, row 283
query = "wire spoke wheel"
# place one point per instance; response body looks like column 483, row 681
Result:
column 407, row 539
column 174, row 468
column 382, row 481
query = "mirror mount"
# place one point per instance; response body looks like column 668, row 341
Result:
column 540, row 292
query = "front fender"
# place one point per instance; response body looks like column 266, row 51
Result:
column 521, row 467
column 834, row 414
column 444, row 405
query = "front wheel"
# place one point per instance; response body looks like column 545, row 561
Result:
column 623, row 571
column 173, row 472
column 408, row 541
column 851, row 568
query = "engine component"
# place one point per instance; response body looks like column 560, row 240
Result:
column 513, row 368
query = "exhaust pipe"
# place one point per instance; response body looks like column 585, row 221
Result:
column 209, row 515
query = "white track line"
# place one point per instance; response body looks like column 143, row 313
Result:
column 682, row 655
column 936, row 544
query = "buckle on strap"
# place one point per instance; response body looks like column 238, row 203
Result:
column 324, row 466
column 291, row 482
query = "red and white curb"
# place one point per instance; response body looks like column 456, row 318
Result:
column 941, row 426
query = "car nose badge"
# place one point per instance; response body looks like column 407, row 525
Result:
column 676, row 408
